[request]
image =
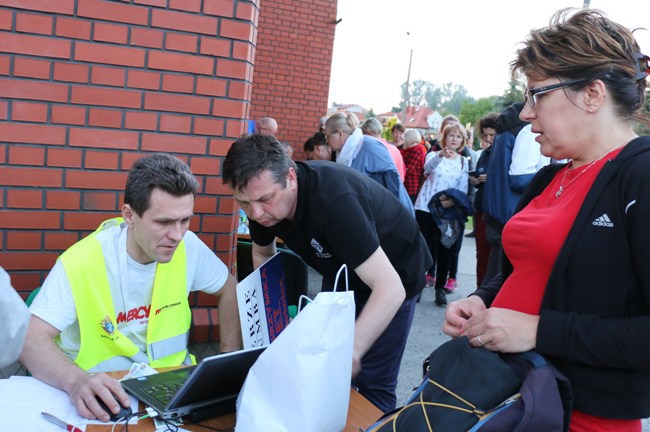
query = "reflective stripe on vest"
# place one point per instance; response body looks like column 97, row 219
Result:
column 102, row 345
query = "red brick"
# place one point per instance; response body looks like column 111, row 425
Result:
column 59, row 240
column 218, row 223
column 113, row 11
column 219, row 146
column 147, row 37
column 32, row 112
column 101, row 180
column 62, row 200
column 5, row 62
column 104, row 118
column 21, row 89
column 229, row 108
column 183, row 21
column 224, row 8
column 3, row 159
column 32, row 134
column 3, row 110
column 239, row 90
column 35, row 45
column 181, row 42
column 26, row 281
column 176, row 103
column 205, row 323
column 178, row 83
column 141, row 120
column 58, row 6
column 100, row 201
column 85, row 220
column 143, row 80
column 109, row 54
column 205, row 165
column 111, row 33
column 106, row 97
column 28, row 261
column 67, row 114
column 186, row 5
column 159, row 3
column 6, row 20
column 26, row 155
column 32, row 23
column 181, row 62
column 215, row 47
column 31, row 68
column 247, row 12
column 64, row 158
column 232, row 69
column 235, row 128
column 205, row 204
column 175, row 123
column 72, row 28
column 211, row 86
column 203, row 299
column 101, row 160
column 31, row 219
column 241, row 30
column 208, row 126
column 24, row 240
column 108, row 76
column 102, row 138
column 227, row 206
column 128, row 159
column 214, row 186
column 225, row 245
column 71, row 72
column 27, row 199
column 243, row 51
column 173, row 143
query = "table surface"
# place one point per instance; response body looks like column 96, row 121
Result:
column 361, row 414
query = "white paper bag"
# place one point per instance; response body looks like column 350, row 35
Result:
column 301, row 382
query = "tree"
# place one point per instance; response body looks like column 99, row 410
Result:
column 416, row 93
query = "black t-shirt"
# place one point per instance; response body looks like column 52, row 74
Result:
column 342, row 217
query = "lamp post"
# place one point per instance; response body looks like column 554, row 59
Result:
column 408, row 81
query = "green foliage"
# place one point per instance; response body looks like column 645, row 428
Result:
column 385, row 134
column 371, row 113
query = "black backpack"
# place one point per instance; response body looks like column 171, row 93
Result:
column 474, row 389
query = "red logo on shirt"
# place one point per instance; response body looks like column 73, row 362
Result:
column 137, row 313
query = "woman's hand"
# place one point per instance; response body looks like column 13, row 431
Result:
column 459, row 312
column 501, row 330
column 445, row 152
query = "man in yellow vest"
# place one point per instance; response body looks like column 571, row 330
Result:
column 120, row 295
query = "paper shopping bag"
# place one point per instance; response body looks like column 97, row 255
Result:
column 301, row 382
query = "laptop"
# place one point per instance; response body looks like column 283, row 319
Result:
column 206, row 390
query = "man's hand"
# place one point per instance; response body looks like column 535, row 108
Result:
column 82, row 395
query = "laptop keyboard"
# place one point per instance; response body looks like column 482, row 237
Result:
column 163, row 392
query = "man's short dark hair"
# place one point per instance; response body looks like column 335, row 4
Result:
column 488, row 121
column 161, row 171
column 249, row 156
column 398, row 126
column 318, row 139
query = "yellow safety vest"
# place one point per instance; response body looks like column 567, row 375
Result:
column 101, row 342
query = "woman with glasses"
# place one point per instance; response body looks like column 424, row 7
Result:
column 575, row 281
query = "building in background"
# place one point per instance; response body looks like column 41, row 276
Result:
column 89, row 86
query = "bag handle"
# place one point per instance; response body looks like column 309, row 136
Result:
column 336, row 281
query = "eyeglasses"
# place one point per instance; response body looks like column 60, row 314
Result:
column 530, row 95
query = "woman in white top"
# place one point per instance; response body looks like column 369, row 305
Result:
column 444, row 170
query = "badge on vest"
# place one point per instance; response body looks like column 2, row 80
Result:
column 108, row 325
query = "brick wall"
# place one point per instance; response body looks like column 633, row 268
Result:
column 292, row 66
column 87, row 87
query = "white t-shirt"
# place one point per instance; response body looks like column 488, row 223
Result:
column 442, row 174
column 55, row 303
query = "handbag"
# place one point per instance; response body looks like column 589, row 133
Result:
column 301, row 382
column 477, row 390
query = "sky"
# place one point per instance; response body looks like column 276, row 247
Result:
column 469, row 43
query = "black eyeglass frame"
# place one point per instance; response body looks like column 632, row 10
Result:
column 530, row 95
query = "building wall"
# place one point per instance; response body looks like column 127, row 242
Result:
column 87, row 87
column 292, row 66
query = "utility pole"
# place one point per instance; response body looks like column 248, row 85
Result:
column 408, row 82
column 586, row 3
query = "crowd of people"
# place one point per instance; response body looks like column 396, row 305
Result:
column 558, row 191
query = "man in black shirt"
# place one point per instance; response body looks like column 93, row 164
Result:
column 332, row 215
